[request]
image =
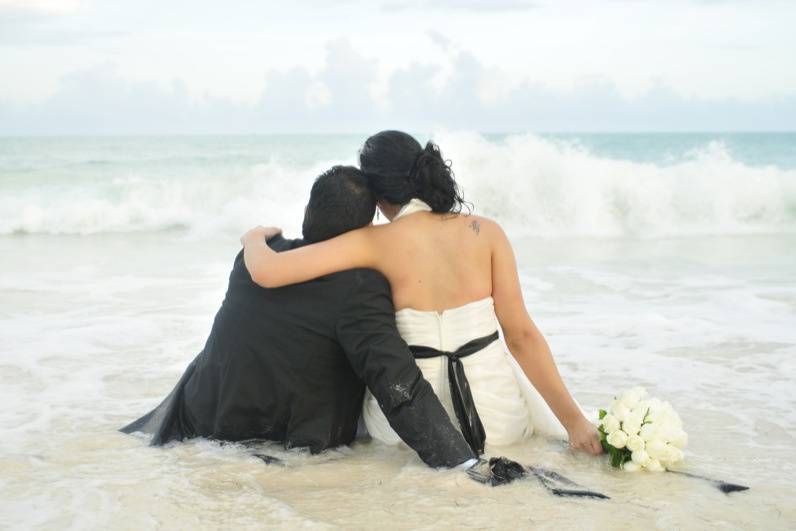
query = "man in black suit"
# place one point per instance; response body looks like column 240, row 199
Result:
column 291, row 364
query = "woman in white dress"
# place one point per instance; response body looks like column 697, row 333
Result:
column 455, row 284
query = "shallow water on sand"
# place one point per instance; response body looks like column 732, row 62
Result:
column 97, row 329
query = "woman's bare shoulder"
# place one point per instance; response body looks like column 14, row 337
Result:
column 481, row 225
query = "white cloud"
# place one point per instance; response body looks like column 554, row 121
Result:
column 462, row 5
column 337, row 98
column 39, row 7
column 317, row 95
column 314, row 65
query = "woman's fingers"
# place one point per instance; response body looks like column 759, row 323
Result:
column 588, row 443
column 259, row 234
column 249, row 235
column 597, row 448
column 270, row 232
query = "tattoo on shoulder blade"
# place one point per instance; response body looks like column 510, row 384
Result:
column 475, row 226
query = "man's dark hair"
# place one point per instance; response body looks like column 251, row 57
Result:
column 340, row 201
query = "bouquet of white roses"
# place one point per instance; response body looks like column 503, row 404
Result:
column 639, row 432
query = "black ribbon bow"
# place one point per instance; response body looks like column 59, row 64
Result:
column 461, row 396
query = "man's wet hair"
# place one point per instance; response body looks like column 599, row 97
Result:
column 340, row 201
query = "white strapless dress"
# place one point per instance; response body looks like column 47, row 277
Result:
column 509, row 406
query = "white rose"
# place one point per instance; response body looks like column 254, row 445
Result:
column 654, row 405
column 610, row 423
column 680, row 439
column 654, row 466
column 635, row 442
column 658, row 415
column 630, row 427
column 620, row 411
column 644, row 405
column 640, row 457
column 617, row 439
column 635, row 418
column 665, row 414
column 666, row 455
column 636, row 415
column 657, row 449
column 630, row 466
column 675, row 419
column 673, row 454
column 667, row 431
column 630, row 399
column 649, row 432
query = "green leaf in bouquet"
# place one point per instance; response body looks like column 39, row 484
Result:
column 616, row 457
column 603, row 413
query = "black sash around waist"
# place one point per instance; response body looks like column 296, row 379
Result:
column 461, row 396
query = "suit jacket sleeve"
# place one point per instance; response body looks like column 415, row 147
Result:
column 279, row 243
column 366, row 330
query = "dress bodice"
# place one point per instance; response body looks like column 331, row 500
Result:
column 449, row 329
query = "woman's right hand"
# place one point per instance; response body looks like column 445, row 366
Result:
column 583, row 436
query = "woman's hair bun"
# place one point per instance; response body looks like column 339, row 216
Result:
column 433, row 180
column 399, row 169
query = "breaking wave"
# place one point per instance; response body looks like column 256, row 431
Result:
column 534, row 185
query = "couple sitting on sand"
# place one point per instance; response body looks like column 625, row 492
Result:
column 308, row 339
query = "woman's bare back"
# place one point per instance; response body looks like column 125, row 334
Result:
column 436, row 261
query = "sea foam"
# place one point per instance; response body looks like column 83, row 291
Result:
column 533, row 185
column 539, row 186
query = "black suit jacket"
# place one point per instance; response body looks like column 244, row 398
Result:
column 291, row 364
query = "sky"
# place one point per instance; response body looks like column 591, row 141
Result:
column 314, row 66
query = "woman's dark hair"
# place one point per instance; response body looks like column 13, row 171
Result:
column 398, row 169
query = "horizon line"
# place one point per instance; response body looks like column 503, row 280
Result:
column 344, row 133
